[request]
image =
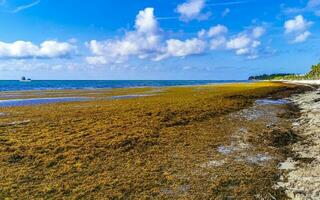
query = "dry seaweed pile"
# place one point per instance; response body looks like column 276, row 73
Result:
column 184, row 142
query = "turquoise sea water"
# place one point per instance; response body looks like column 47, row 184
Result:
column 96, row 84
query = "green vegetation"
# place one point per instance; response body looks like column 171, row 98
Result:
column 313, row 74
column 268, row 76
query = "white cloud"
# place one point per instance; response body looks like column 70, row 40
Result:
column 243, row 51
column 178, row 48
column 28, row 65
column 26, row 49
column 202, row 33
column 255, row 44
column 302, row 37
column 239, row 42
column 215, row 35
column 54, row 49
column 297, row 24
column 97, row 60
column 143, row 42
column 258, row 31
column 146, row 22
column 217, row 43
column 147, row 41
column 298, row 28
column 246, row 43
column 192, row 10
column 217, row 30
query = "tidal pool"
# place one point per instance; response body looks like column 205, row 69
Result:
column 271, row 101
column 130, row 96
column 38, row 101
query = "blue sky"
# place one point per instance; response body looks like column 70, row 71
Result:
column 157, row 39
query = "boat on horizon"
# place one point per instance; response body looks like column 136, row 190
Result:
column 24, row 79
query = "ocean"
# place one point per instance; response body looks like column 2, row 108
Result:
column 11, row 85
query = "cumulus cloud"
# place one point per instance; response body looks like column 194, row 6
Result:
column 302, row 37
column 298, row 27
column 178, row 48
column 246, row 43
column 217, row 43
column 239, row 42
column 258, row 31
column 216, row 36
column 297, row 24
column 147, row 41
column 192, row 9
column 217, row 30
column 54, row 49
column 202, row 33
column 26, row 49
column 146, row 21
column 143, row 42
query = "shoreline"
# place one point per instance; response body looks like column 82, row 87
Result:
column 299, row 82
column 301, row 172
column 177, row 144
